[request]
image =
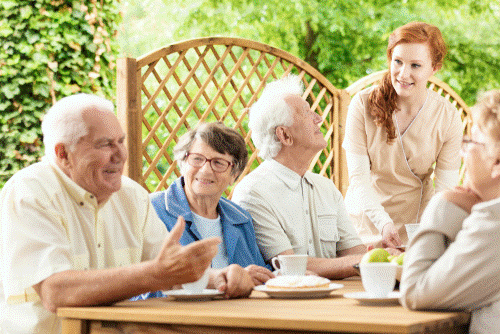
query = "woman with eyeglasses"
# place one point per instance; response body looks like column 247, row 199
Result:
column 211, row 157
column 453, row 262
column 402, row 139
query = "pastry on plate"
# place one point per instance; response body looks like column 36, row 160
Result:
column 298, row 282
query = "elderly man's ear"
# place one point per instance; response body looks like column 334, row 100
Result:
column 61, row 154
column 495, row 172
column 284, row 135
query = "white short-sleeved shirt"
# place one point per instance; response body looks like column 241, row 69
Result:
column 305, row 214
column 49, row 224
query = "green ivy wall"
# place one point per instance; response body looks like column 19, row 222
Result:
column 49, row 49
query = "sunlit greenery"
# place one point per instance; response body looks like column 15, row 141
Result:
column 49, row 49
column 53, row 48
column 344, row 39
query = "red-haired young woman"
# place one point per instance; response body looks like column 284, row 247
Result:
column 398, row 134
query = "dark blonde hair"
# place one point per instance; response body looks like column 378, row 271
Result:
column 486, row 114
column 382, row 100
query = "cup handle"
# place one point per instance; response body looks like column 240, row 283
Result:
column 273, row 263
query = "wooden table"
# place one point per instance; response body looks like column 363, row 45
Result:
column 259, row 314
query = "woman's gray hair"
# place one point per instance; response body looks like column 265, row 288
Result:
column 271, row 111
column 219, row 137
column 63, row 122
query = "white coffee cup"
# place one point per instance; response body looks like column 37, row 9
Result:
column 294, row 264
column 378, row 278
column 198, row 286
column 411, row 230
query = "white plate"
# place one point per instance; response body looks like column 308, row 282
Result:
column 182, row 294
column 299, row 293
column 365, row 298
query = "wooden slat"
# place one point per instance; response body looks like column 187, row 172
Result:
column 264, row 315
column 128, row 112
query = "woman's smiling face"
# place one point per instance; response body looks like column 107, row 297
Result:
column 411, row 68
column 202, row 181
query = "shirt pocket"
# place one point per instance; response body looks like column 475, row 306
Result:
column 328, row 235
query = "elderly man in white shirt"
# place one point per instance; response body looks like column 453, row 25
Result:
column 295, row 211
column 75, row 232
column 453, row 261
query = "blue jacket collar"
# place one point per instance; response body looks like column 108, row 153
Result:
column 230, row 215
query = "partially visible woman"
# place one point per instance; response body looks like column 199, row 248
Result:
column 211, row 157
column 397, row 135
column 453, row 262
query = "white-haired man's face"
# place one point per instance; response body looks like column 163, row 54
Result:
column 97, row 162
column 305, row 131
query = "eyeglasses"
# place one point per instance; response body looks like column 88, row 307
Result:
column 218, row 165
column 467, row 142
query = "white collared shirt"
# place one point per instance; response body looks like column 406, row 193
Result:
column 49, row 224
column 305, row 214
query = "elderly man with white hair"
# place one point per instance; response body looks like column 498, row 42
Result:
column 75, row 232
column 294, row 210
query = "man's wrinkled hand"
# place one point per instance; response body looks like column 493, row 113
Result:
column 177, row 264
column 260, row 275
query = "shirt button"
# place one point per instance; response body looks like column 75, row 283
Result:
column 98, row 245
column 81, row 203
column 92, row 196
column 310, row 241
column 307, row 212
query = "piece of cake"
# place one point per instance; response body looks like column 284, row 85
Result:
column 298, row 282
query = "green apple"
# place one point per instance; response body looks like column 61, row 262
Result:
column 376, row 255
column 399, row 259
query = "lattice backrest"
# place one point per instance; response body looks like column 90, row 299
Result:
column 163, row 94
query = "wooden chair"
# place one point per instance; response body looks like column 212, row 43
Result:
column 168, row 91
column 434, row 84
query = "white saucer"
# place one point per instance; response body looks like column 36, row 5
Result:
column 182, row 294
column 365, row 298
column 299, row 293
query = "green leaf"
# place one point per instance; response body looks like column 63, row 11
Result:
column 28, row 136
column 10, row 90
column 7, row 4
column 5, row 31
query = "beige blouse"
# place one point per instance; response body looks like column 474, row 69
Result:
column 401, row 171
column 452, row 263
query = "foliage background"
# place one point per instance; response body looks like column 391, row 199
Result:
column 49, row 49
column 52, row 48
column 345, row 40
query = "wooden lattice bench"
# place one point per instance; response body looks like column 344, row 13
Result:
column 168, row 91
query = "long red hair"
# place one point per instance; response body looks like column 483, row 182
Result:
column 382, row 100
